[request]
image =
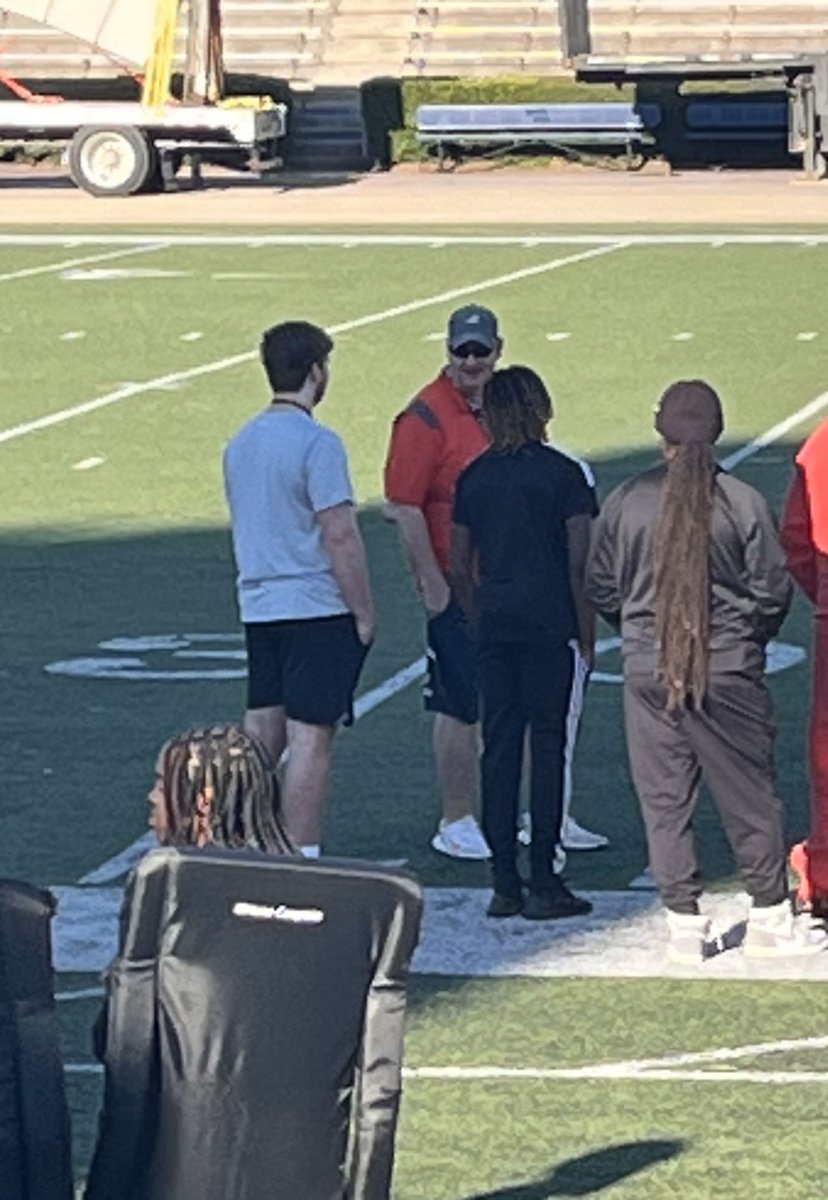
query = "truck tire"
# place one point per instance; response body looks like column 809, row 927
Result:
column 111, row 162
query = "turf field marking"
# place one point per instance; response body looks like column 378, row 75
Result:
column 222, row 364
column 812, row 409
column 73, row 335
column 484, row 1074
column 437, row 1073
column 809, row 336
column 120, row 863
column 145, row 247
column 87, row 464
column 713, row 239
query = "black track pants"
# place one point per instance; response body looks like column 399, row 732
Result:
column 524, row 684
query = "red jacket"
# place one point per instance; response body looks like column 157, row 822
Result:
column 805, row 522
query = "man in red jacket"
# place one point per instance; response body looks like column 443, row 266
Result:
column 805, row 538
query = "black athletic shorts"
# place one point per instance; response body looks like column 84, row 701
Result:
column 310, row 668
column 451, row 685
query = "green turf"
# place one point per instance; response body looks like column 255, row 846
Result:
column 139, row 546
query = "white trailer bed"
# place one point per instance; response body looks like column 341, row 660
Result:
column 119, row 148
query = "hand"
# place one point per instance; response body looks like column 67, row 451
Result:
column 587, row 652
column 366, row 629
column 436, row 597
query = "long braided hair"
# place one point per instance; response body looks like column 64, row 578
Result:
column 516, row 408
column 690, row 421
column 224, row 770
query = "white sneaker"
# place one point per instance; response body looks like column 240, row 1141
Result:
column 461, row 839
column 776, row 933
column 688, row 934
column 573, row 835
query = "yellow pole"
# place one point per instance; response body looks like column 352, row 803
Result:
column 159, row 65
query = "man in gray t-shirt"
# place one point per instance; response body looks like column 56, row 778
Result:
column 303, row 587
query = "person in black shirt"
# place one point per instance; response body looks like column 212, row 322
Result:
column 686, row 561
column 522, row 517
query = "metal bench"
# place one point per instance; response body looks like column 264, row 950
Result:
column 499, row 128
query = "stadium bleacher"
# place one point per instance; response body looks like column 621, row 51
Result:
column 347, row 41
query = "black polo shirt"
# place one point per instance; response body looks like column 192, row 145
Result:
column 515, row 507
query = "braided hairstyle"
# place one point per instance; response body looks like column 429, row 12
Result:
column 689, row 418
column 222, row 771
column 516, row 408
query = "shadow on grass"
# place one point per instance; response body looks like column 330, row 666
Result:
column 591, row 1173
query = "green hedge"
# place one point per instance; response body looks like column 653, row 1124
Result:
column 390, row 106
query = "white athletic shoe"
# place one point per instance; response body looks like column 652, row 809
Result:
column 688, row 934
column 573, row 835
column 776, row 933
column 461, row 839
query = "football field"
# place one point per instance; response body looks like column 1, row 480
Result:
column 561, row 1060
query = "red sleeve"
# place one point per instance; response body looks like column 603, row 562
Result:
column 797, row 536
column 413, row 457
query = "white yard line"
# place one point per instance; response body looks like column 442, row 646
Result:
column 717, row 240
column 50, row 268
column 495, row 1074
column 222, row 364
column 652, row 1068
column 124, row 861
column 812, row 409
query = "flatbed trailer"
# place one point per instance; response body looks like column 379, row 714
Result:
column 805, row 77
column 118, row 148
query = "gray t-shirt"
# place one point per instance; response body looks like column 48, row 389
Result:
column 281, row 469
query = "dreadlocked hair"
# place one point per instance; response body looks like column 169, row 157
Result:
column 682, row 573
column 225, row 767
column 516, row 408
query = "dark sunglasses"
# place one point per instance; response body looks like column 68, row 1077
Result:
column 472, row 350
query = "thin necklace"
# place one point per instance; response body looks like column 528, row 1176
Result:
column 293, row 404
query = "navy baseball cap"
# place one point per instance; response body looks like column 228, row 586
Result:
column 472, row 324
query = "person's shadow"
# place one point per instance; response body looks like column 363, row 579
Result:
column 591, row 1173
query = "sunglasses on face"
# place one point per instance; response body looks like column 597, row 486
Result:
column 472, row 350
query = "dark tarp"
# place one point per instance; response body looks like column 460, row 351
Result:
column 35, row 1142
column 254, row 1030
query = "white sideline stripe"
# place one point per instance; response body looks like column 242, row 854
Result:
column 47, row 268
column 342, row 240
column 222, row 364
column 114, row 867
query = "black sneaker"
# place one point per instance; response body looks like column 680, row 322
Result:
column 554, row 903
column 505, row 904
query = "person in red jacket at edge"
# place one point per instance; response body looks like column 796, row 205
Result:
column 805, row 538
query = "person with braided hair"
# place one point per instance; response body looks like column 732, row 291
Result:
column 686, row 561
column 216, row 786
column 522, row 516
column 213, row 786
